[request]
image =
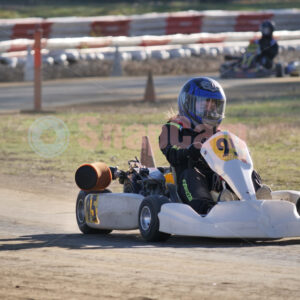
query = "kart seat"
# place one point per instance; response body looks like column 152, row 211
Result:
column 172, row 188
column 173, row 193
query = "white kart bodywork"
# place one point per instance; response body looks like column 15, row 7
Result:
column 113, row 210
column 229, row 157
column 233, row 219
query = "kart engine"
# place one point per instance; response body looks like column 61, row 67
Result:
column 138, row 179
column 141, row 180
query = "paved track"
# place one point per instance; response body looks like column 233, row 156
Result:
column 19, row 96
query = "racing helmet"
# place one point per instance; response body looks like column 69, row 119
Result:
column 266, row 28
column 202, row 100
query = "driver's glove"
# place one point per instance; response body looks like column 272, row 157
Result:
column 194, row 152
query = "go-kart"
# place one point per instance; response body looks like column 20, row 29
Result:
column 150, row 201
column 293, row 68
column 235, row 68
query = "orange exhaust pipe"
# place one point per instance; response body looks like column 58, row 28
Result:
column 93, row 177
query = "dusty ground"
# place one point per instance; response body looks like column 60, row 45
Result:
column 44, row 256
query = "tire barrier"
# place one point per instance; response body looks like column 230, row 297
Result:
column 100, row 64
column 142, row 53
column 135, row 54
column 149, row 24
column 191, row 65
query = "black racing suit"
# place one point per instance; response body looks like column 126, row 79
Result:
column 268, row 50
column 193, row 175
column 194, row 178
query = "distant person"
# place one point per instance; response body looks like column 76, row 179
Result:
column 268, row 47
column 261, row 52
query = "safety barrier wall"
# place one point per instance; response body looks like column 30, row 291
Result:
column 149, row 24
column 138, row 53
column 177, row 39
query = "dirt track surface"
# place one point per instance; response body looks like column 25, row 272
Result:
column 44, row 256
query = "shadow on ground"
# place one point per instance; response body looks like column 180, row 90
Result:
column 120, row 240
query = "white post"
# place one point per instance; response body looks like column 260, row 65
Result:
column 28, row 68
column 117, row 64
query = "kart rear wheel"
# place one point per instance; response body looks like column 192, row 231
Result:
column 149, row 221
column 278, row 70
column 80, row 217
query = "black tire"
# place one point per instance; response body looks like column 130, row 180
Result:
column 148, row 219
column 224, row 69
column 298, row 206
column 80, row 216
column 278, row 70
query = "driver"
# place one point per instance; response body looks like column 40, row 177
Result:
column 201, row 106
column 262, row 51
column 268, row 47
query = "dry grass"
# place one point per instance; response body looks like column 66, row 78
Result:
column 112, row 134
column 69, row 8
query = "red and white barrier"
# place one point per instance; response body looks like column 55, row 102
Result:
column 251, row 21
column 149, row 24
column 215, row 21
column 184, row 23
column 160, row 36
column 122, row 41
column 69, row 27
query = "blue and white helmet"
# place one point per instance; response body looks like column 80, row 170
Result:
column 202, row 100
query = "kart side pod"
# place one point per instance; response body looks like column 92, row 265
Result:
column 93, row 177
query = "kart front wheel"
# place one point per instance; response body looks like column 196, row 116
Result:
column 80, row 217
column 149, row 221
column 278, row 70
column 298, row 206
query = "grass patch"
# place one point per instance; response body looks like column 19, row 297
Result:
column 113, row 134
column 264, row 111
column 67, row 8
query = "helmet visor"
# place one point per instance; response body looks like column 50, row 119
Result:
column 266, row 30
column 206, row 110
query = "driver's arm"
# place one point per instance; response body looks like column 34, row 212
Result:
column 176, row 148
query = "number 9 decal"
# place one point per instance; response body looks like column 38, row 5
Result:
column 223, row 147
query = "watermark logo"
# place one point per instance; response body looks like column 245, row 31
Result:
column 172, row 133
column 48, row 136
